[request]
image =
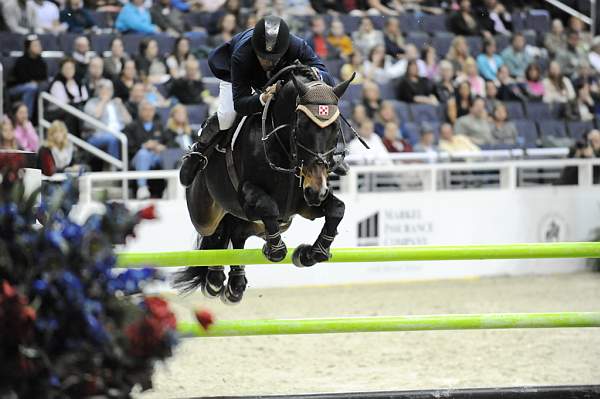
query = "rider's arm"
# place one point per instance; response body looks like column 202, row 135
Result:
column 244, row 102
column 308, row 57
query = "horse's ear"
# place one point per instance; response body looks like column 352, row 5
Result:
column 300, row 87
column 340, row 89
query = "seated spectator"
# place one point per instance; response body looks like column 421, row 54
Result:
column 317, row 39
column 113, row 63
column 146, row 141
column 585, row 74
column 44, row 17
column 488, row 62
column 81, row 56
column 392, row 140
column 411, row 54
column 359, row 114
column 136, row 96
column 515, row 57
column 327, row 6
column 28, row 73
column 503, row 130
column 355, row 64
column 385, row 115
column 394, row 40
column 134, row 17
column 557, row 87
column 594, row 55
column 491, row 96
column 78, row 18
column 509, row 89
column 178, row 58
column 24, row 132
column 458, row 53
column 452, row 143
column 57, row 154
column 190, row 89
column 111, row 6
column 126, row 80
column 153, row 96
column 378, row 67
column 168, row 18
column 585, row 37
column 68, row 90
column 444, row 88
column 461, row 103
column 377, row 153
column 463, row 21
column 94, row 74
column 415, row 89
column 340, row 40
column 533, row 80
column 471, row 75
column 582, row 107
column 15, row 16
column 371, row 98
column 227, row 29
column 588, row 147
column 8, row 140
column 475, row 124
column 110, row 111
column 555, row 40
column 391, row 8
column 427, row 140
column 572, row 55
column 179, row 132
column 495, row 18
column 430, row 58
column 367, row 37
column 149, row 63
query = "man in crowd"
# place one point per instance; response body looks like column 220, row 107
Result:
column 475, row 124
column 515, row 56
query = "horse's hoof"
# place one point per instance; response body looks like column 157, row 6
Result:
column 302, row 256
column 214, row 285
column 234, row 291
column 275, row 253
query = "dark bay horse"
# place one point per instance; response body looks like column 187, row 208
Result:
column 278, row 168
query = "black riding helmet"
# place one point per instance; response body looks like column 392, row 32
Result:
column 271, row 38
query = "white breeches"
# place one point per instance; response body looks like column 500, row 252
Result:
column 225, row 110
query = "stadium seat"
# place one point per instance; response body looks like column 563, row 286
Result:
column 577, row 129
column 528, row 132
column 104, row 20
column 197, row 113
column 419, row 39
column 66, row 42
column 350, row 22
column 345, row 108
column 387, row 91
column 518, row 21
column 475, row 44
column 410, row 132
column 49, row 42
column 53, row 66
column 538, row 111
column 131, row 42
column 538, row 20
column 7, row 66
column 165, row 43
column 205, row 69
column 530, row 37
column 334, row 66
column 433, row 23
column 515, row 109
column 552, row 128
column 424, row 113
column 353, row 93
column 163, row 114
column 11, row 42
column 197, row 39
column 402, row 111
column 101, row 42
column 378, row 21
column 442, row 42
column 407, row 23
column 502, row 42
column 197, row 19
column 212, row 87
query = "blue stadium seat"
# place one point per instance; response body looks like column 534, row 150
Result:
column 552, row 128
column 53, row 66
column 350, row 23
column 419, row 39
column 577, row 129
column 378, row 21
column 402, row 111
column 197, row 39
column 353, row 93
column 387, row 91
column 104, row 20
column 528, row 132
column 163, row 114
column 11, row 42
column 475, row 44
column 433, row 23
column 442, row 42
column 530, row 37
column 212, row 87
column 515, row 109
column 518, row 21
column 7, row 66
column 163, row 89
column 66, row 41
column 197, row 19
column 334, row 66
column 410, row 132
column 538, row 20
column 502, row 41
column 131, row 42
column 538, row 111
column 197, row 113
column 49, row 42
column 165, row 43
column 205, row 69
column 101, row 42
column 345, row 108
column 424, row 113
column 407, row 23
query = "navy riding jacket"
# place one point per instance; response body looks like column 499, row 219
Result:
column 236, row 62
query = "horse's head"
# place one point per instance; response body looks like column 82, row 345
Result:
column 316, row 134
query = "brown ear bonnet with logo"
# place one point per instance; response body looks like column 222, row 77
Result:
column 319, row 103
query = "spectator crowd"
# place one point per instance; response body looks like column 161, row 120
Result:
column 451, row 76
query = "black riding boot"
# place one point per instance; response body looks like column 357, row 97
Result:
column 196, row 159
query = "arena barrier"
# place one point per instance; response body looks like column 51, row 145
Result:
column 367, row 254
column 492, row 321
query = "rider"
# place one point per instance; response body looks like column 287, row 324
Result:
column 244, row 64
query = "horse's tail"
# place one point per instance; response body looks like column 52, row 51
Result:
column 191, row 278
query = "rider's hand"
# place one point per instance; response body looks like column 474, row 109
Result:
column 268, row 93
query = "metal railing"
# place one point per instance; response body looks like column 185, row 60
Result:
column 591, row 20
column 122, row 163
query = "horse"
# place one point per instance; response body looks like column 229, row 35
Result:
column 262, row 180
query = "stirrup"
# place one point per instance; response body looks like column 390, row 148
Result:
column 202, row 159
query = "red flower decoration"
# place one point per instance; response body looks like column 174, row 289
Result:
column 205, row 318
column 148, row 336
column 147, row 213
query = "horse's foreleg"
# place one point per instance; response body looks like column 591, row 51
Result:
column 307, row 255
column 258, row 205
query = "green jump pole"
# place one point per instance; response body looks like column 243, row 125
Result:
column 234, row 328
column 367, row 254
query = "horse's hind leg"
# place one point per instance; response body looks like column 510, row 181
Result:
column 236, row 281
column 307, row 255
column 259, row 205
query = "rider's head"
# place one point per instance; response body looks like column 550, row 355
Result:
column 270, row 40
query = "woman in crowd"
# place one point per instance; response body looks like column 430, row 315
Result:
column 461, row 103
column 178, row 128
column 503, row 131
column 28, row 73
column 557, row 87
column 8, row 141
column 340, row 40
column 114, row 63
column 533, row 81
column 367, row 37
column 127, row 78
column 387, row 114
column 359, row 114
column 149, row 63
column 110, row 111
column 394, row 40
column 432, row 67
column 458, row 53
column 488, row 62
column 471, row 75
column 355, row 64
column 414, row 88
column 377, row 67
column 68, row 90
column 582, row 107
column 371, row 98
column 392, row 140
column 444, row 88
column 181, row 54
column 227, row 29
column 57, row 154
column 24, row 132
